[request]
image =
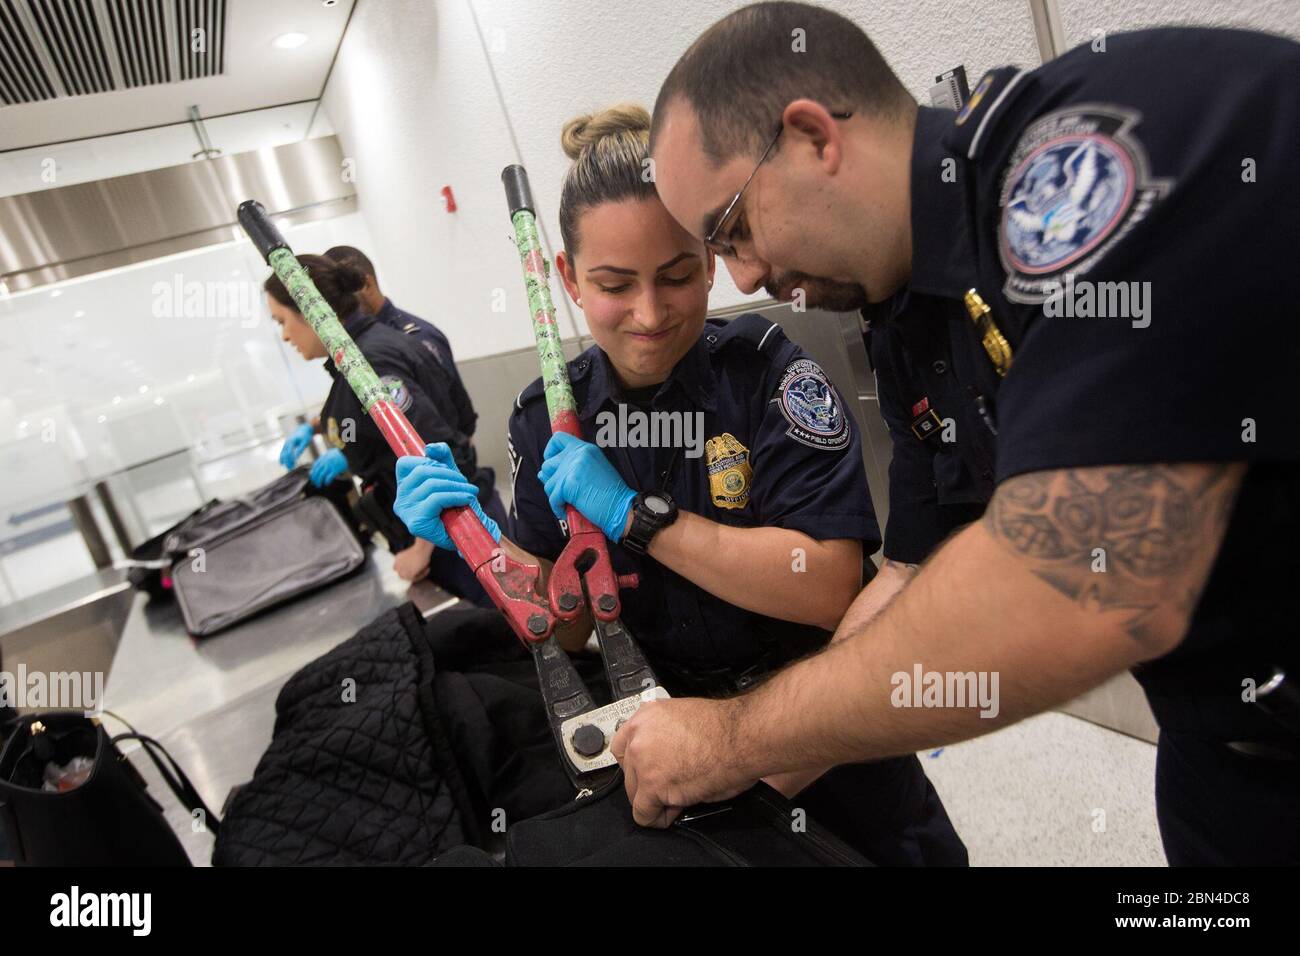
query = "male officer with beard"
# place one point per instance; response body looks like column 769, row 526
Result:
column 1145, row 479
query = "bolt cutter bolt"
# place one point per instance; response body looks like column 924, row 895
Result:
column 588, row 740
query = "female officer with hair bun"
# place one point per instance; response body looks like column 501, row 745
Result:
column 419, row 387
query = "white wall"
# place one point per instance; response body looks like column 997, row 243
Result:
column 1081, row 17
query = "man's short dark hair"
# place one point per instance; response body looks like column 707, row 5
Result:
column 740, row 75
column 351, row 256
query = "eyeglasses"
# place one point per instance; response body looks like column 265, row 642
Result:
column 724, row 247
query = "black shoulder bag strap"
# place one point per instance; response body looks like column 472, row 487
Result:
column 174, row 777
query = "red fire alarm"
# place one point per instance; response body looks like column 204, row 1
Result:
column 448, row 199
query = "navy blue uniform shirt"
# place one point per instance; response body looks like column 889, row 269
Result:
column 780, row 450
column 420, row 388
column 1115, row 168
column 435, row 343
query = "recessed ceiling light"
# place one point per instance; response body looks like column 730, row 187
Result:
column 56, row 293
column 101, row 419
column 143, row 389
column 117, row 399
column 158, row 400
column 79, row 313
column 289, row 41
column 329, row 3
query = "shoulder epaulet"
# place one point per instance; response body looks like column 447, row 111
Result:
column 760, row 334
column 973, row 122
column 577, row 369
column 531, row 392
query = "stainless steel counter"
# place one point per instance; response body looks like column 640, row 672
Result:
column 211, row 702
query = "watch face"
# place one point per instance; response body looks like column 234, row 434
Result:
column 656, row 505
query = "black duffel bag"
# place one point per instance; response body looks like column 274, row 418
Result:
column 756, row 828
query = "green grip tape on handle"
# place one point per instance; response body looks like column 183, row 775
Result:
column 339, row 346
column 550, row 349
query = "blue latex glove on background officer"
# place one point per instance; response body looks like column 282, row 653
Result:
column 296, row 444
column 574, row 472
column 328, row 467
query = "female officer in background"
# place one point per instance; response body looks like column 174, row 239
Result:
column 748, row 536
column 418, row 386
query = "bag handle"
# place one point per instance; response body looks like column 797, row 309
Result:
column 174, row 777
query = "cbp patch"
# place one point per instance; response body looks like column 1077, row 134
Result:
column 730, row 473
column 397, row 391
column 1076, row 183
column 809, row 403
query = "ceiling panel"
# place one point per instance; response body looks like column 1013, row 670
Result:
column 74, row 69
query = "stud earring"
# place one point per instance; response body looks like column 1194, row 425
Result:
column 580, row 303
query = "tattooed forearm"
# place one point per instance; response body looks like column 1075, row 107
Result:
column 1132, row 540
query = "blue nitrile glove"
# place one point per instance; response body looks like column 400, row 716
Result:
column 577, row 473
column 295, row 445
column 328, row 467
column 428, row 486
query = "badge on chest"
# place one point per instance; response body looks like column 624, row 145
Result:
column 730, row 474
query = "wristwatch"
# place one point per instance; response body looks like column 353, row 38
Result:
column 651, row 512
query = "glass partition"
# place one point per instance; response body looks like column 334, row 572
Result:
column 166, row 380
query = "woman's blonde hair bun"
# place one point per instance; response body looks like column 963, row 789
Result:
column 624, row 124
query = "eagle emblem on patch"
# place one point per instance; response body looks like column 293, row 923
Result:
column 811, row 407
column 397, row 391
column 730, row 474
column 1076, row 183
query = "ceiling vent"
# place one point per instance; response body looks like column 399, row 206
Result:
column 56, row 48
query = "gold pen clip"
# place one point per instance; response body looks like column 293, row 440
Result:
column 995, row 343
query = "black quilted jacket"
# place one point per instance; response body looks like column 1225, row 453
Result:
column 408, row 761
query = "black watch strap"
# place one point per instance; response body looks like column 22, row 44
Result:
column 651, row 513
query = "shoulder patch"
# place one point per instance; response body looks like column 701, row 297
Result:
column 809, row 403
column 1076, row 183
column 397, row 390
